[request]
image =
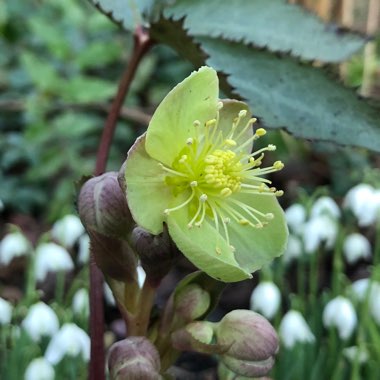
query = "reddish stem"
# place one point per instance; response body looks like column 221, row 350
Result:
column 142, row 43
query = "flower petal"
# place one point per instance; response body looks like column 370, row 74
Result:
column 147, row 194
column 195, row 98
column 198, row 245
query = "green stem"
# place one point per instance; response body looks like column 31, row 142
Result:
column 141, row 45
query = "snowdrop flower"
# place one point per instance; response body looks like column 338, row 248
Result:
column 41, row 320
column 13, row 245
column 6, row 309
column 293, row 249
column 295, row 217
column 84, row 249
column 108, row 295
column 81, row 303
column 325, row 206
column 355, row 353
column 266, row 299
column 318, row 230
column 340, row 313
column 67, row 230
column 365, row 288
column 39, row 369
column 51, row 257
column 69, row 340
column 293, row 329
column 364, row 201
column 359, row 288
column 356, row 247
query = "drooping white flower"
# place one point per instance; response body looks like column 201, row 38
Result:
column 40, row 321
column 266, row 299
column 318, row 230
column 325, row 206
column 13, row 245
column 296, row 216
column 364, row 201
column 81, row 302
column 293, row 249
column 84, row 249
column 6, row 309
column 340, row 313
column 366, row 288
column 51, row 257
column 67, row 230
column 70, row 340
column 354, row 353
column 293, row 328
column 356, row 247
column 39, row 369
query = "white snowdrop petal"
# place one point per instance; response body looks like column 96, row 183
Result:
column 84, row 249
column 325, row 206
column 356, row 247
column 41, row 320
column 39, row 369
column 293, row 328
column 141, row 275
column 6, row 309
column 13, row 245
column 67, row 230
column 81, row 302
column 266, row 299
column 293, row 249
column 340, row 313
column 295, row 216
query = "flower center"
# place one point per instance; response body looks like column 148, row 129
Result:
column 212, row 168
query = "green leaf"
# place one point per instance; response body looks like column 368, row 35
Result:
column 301, row 98
column 274, row 24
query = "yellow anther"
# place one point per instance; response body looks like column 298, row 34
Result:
column 218, row 250
column 271, row 147
column 279, row 193
column 242, row 113
column 243, row 222
column 189, row 141
column 226, row 192
column 230, row 142
column 269, row 216
column 260, row 132
column 193, row 183
column 203, row 198
column 210, row 123
column 278, row 165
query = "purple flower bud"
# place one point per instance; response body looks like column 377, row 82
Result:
column 134, row 358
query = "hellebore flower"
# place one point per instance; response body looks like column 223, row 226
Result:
column 194, row 171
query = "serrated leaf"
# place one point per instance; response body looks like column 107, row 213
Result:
column 302, row 98
column 274, row 24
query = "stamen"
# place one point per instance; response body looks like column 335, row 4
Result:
column 171, row 171
column 187, row 201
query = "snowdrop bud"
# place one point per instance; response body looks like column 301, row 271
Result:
column 84, row 249
column 293, row 249
column 69, row 340
column 51, row 257
column 134, row 358
column 251, row 340
column 356, row 247
column 266, row 299
column 293, row 329
column 39, row 369
column 81, row 303
column 6, row 309
column 13, row 245
column 340, row 313
column 318, row 230
column 40, row 321
column 67, row 230
column 325, row 206
column 295, row 216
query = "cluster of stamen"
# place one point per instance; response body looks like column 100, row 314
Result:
column 212, row 167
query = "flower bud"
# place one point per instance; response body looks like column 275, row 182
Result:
column 134, row 358
column 251, row 340
column 103, row 208
column 156, row 252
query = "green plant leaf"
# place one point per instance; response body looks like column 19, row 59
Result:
column 301, row 98
column 274, row 24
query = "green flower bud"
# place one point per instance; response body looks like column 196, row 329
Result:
column 252, row 343
column 134, row 358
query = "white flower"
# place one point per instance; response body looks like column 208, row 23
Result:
column 67, row 230
column 39, row 369
column 356, row 247
column 84, row 249
column 295, row 216
column 6, row 309
column 81, row 302
column 51, row 257
column 266, row 299
column 355, row 353
column 364, row 201
column 365, row 288
column 293, row 328
column 293, row 249
column 340, row 313
column 41, row 320
column 13, row 245
column 141, row 275
column 108, row 295
column 69, row 340
column 318, row 230
column 325, row 206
